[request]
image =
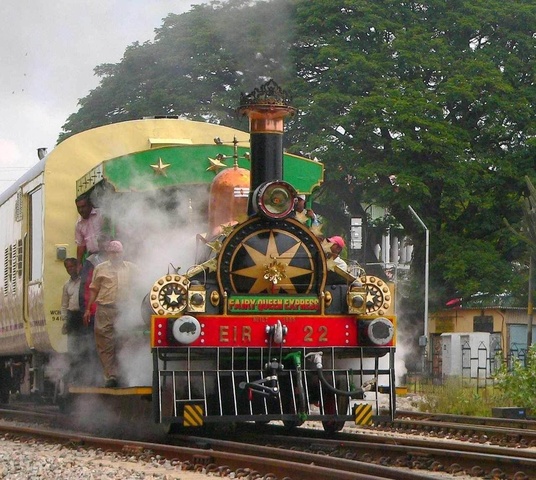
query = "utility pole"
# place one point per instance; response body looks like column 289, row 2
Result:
column 530, row 302
column 423, row 341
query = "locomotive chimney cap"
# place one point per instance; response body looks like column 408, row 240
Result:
column 269, row 96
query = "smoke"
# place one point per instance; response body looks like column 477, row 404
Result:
column 56, row 368
column 266, row 55
column 400, row 364
column 113, row 416
column 408, row 351
column 158, row 230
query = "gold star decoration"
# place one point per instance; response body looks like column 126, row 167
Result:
column 216, row 164
column 227, row 228
column 317, row 230
column 272, row 265
column 160, row 167
column 302, row 216
column 173, row 297
column 208, row 266
column 215, row 245
column 326, row 246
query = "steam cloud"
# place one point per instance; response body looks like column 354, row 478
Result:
column 158, row 230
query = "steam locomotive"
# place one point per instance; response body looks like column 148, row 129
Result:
column 260, row 325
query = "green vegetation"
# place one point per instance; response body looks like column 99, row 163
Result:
column 518, row 383
column 457, row 397
column 512, row 386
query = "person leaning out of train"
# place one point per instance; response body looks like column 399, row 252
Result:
column 86, row 273
column 92, row 374
column 337, row 245
column 72, row 316
column 112, row 281
column 305, row 215
column 87, row 229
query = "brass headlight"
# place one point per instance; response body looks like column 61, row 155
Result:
column 274, row 199
column 197, row 297
column 356, row 298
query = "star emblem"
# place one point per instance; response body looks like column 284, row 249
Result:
column 326, row 246
column 317, row 230
column 160, row 167
column 215, row 245
column 173, row 297
column 274, row 257
column 208, row 266
column 216, row 164
column 302, row 216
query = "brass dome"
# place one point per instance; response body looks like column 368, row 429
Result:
column 229, row 193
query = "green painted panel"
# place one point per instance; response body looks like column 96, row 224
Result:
column 188, row 165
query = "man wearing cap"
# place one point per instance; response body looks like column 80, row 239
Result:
column 337, row 246
column 110, row 286
column 304, row 215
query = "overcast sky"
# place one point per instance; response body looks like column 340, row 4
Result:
column 48, row 50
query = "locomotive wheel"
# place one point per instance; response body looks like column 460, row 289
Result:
column 290, row 424
column 5, row 381
column 271, row 256
column 334, row 426
column 170, row 428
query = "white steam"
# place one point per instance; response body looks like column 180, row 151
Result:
column 158, row 230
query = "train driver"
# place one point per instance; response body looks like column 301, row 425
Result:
column 336, row 247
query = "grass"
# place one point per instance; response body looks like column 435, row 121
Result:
column 459, row 397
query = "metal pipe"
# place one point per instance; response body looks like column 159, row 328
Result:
column 530, row 310
column 426, row 271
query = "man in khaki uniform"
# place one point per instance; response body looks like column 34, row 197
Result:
column 109, row 287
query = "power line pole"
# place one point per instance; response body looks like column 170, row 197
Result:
column 423, row 341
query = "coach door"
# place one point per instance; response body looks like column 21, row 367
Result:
column 35, row 238
column 33, row 275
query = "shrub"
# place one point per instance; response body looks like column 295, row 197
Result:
column 517, row 383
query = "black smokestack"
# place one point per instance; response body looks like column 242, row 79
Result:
column 266, row 108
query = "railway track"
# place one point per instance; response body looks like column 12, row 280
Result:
column 274, row 453
column 514, row 433
column 452, row 457
column 523, row 424
column 222, row 458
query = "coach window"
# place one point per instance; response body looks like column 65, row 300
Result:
column 36, row 236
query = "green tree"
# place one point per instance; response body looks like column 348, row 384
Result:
column 428, row 104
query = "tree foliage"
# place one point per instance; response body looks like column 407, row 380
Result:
column 428, row 104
